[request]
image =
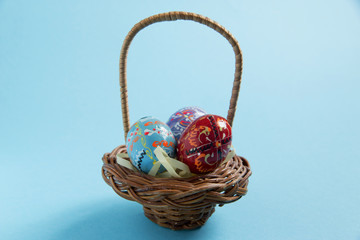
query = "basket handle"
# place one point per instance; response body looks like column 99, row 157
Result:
column 173, row 16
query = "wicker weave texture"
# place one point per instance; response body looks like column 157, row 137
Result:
column 170, row 202
column 178, row 203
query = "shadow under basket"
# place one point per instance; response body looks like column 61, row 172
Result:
column 178, row 203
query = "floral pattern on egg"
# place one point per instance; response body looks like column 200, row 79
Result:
column 182, row 118
column 205, row 143
column 144, row 137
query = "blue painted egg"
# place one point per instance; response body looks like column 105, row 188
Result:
column 182, row 118
column 143, row 138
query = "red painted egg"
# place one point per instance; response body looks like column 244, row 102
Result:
column 205, row 143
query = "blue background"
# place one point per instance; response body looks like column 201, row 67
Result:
column 297, row 120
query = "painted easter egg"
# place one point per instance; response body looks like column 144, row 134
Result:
column 143, row 138
column 182, row 118
column 205, row 143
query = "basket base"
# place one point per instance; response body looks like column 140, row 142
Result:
column 179, row 219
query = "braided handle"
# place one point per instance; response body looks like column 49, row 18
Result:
column 172, row 16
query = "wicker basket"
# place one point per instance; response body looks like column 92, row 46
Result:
column 178, row 203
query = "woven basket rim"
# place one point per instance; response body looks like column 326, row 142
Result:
column 235, row 172
column 113, row 154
